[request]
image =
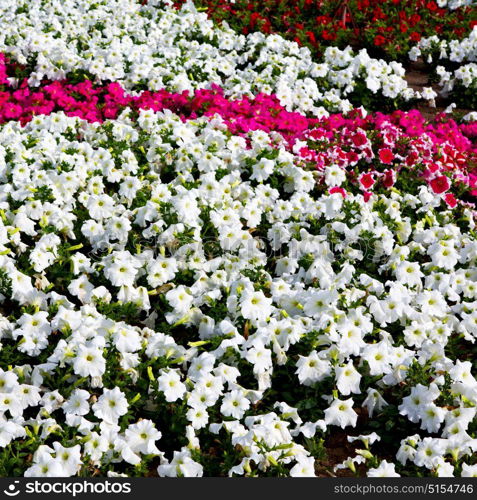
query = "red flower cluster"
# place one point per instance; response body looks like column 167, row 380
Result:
column 396, row 150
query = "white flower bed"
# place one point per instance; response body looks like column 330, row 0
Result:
column 256, row 311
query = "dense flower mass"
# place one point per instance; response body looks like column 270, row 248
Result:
column 211, row 264
column 388, row 27
column 351, row 143
column 183, row 50
column 141, row 269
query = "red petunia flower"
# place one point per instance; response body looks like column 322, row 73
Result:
column 450, row 199
column 352, row 158
column 311, row 37
column 386, row 156
column 440, row 184
column 359, row 139
column 389, row 178
column 339, row 190
column 366, row 180
column 414, row 19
